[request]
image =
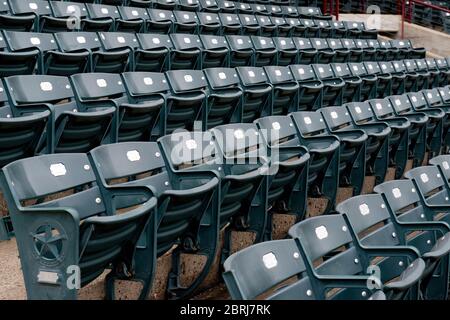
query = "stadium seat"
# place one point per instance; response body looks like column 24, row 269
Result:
column 242, row 52
column 330, row 240
column 285, row 90
column 21, row 17
column 230, row 23
column 352, row 89
column 310, row 95
column 72, row 126
column 341, row 53
column 411, row 78
column 267, row 28
column 257, row 93
column 324, row 149
column 161, row 21
column 287, row 52
column 186, row 52
column 324, row 53
column 407, row 51
column 424, row 73
column 373, row 219
column 249, row 24
column 444, row 70
column 224, row 98
column 272, row 264
column 397, row 78
column 384, row 80
column 368, row 81
column 154, row 52
column 356, row 53
column 209, row 23
column 185, row 22
column 187, row 213
column 307, row 54
column 82, row 228
column 339, row 122
column 333, row 87
column 265, row 51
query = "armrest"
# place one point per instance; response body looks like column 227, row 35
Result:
column 409, row 277
column 214, row 182
column 425, row 226
column 392, row 251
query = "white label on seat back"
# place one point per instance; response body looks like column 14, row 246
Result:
column 187, row 40
column 445, row 165
column 186, row 16
column 240, row 41
column 229, row 18
column 429, row 95
column 364, row 209
column 156, row 41
column 133, row 155
column 214, row 41
column 370, row 67
column 378, row 106
column 81, row 39
column 162, row 15
column 239, row 134
column 35, row 41
column 71, row 9
column 191, row 144
column 251, row 74
column 301, row 71
column 398, row 102
column 321, row 232
column 307, row 120
column 338, row 69
column 358, row 109
column 321, row 70
column 188, row 78
column 283, row 42
column 355, row 68
column 148, row 81
column 424, row 177
column 105, row 10
column 33, row 6
column 277, row 73
column 208, row 18
column 58, row 169
column 134, row 13
column 396, row 193
column 222, row 76
column 269, row 260
column 102, row 83
column 46, row 86
column 334, row 114
column 276, row 126
column 120, row 39
column 263, row 42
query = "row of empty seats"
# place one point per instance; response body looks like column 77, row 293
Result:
column 334, row 257
column 75, row 52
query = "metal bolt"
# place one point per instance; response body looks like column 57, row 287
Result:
column 157, row 154
column 296, row 255
column 309, row 293
column 166, row 183
column 394, row 235
column 356, row 260
column 400, row 263
column 364, row 293
column 344, row 228
column 86, row 167
column 98, row 200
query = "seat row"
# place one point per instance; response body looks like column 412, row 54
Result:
column 67, row 53
column 405, row 222
column 137, row 106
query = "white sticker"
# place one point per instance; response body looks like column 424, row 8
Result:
column 334, row 114
column 46, row 86
column 186, row 16
column 48, row 277
column 321, row 70
column 414, row 99
column 33, row 6
column 148, row 81
column 307, row 120
column 396, row 193
column 188, row 78
column 251, row 74
column 133, row 155
column 364, row 209
column 222, row 76
column 338, row 69
column 105, row 10
column 283, row 42
column 187, row 40
column 240, row 41
column 162, row 15
column 321, row 232
column 214, row 41
column 156, row 41
column 445, row 165
column 269, row 260
column 191, row 144
column 120, row 39
column 239, row 134
column 134, row 13
column 378, row 106
column 81, row 39
column 424, row 177
column 58, row 169
column 301, row 71
column 276, row 126
column 398, row 102
column 278, row 73
column 263, row 42
column 101, row 83
column 358, row 109
column 35, row 41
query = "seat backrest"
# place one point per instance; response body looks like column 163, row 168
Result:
column 278, row 74
column 118, row 40
column 327, row 241
column 336, row 117
column 386, row 67
column 62, row 9
column 410, row 65
column 185, row 81
column 37, row 7
column 417, row 100
column 441, row 63
column 251, row 76
column 399, row 66
column 278, row 130
column 372, row 67
column 150, row 41
column 382, row 108
column 361, row 112
column 323, row 71
column 262, row 43
column 433, row 97
column 421, row 65
column 335, row 44
column 372, row 43
column 229, row 19
column 401, row 44
column 264, row 21
column 208, row 18
column 341, row 70
column 221, row 78
column 430, row 183
column 283, row 43
column 309, row 123
column 248, row 20
column 132, row 13
column 253, row 271
column 319, row 44
column 357, row 69
column 143, row 84
column 362, row 43
column 401, row 103
column 102, row 11
column 303, row 43
column 443, row 162
column 238, row 42
column 27, row 40
column 40, row 177
column 348, row 43
column 160, row 15
column 90, row 86
column 185, row 41
column 185, row 17
column 431, row 64
column 370, row 219
column 211, row 42
column 76, row 41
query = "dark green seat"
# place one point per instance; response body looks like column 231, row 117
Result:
column 100, row 18
column 330, row 243
column 186, row 101
column 257, row 93
column 224, row 98
column 326, row 29
column 188, row 5
column 209, row 23
column 231, row 25
column 186, row 52
column 13, row 63
column 352, row 89
column 132, row 19
column 187, row 203
column 324, row 53
column 444, row 69
column 411, row 78
column 398, row 78
column 137, row 118
column 374, row 220
column 78, row 233
column 356, row 53
column 384, row 80
column 62, row 17
column 22, row 16
column 437, row 78
column 265, row 51
column 311, row 88
column 284, row 28
column 125, row 46
column 312, row 30
column 369, row 51
column 72, row 126
column 407, row 51
column 266, row 27
column 256, row 270
column 165, row 4
column 381, row 53
column 285, row 90
column 242, row 170
column 391, row 53
column 341, row 53
column 307, row 54
column 155, row 54
column 161, row 21
column 298, row 28
column 249, row 24
column 185, row 22
column 287, row 52
column 436, row 118
column 339, row 122
column 211, row 6
column 324, row 149
column 369, row 80
column 422, row 70
column 333, row 87
column 339, row 29
column 422, row 75
column 361, row 114
column 288, row 184
column 226, row 6
column 215, row 51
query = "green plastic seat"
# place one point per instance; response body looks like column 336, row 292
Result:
column 284, row 28
column 267, row 28
column 155, row 54
column 356, row 53
column 161, row 21
column 265, row 51
column 22, row 17
column 425, row 74
column 353, row 84
column 249, row 24
column 285, row 90
column 215, row 51
column 307, row 54
column 333, row 86
column 436, row 77
column 324, row 148
column 374, row 221
column 209, row 23
column 331, row 243
column 362, row 114
column 398, row 78
column 61, row 15
column 287, row 52
column 325, row 54
column 311, row 89
column 288, row 185
column 341, row 53
column 75, row 234
column 384, row 80
column 137, row 119
column 231, row 25
column 274, row 262
column 368, row 80
column 187, row 204
column 72, row 126
column 339, row 122
column 185, row 22
column 186, row 52
column 224, row 98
